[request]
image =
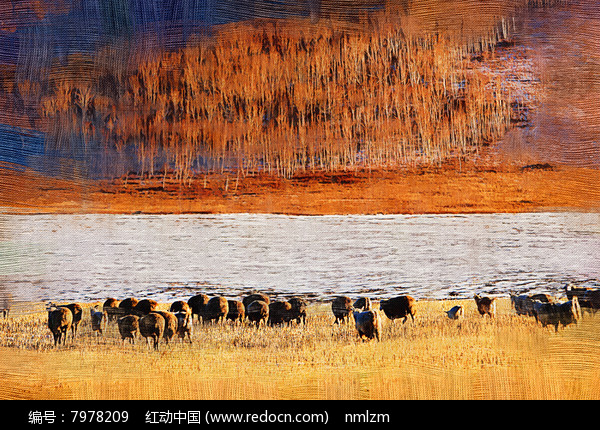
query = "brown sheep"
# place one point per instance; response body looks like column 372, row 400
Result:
column 184, row 325
column 59, row 322
column 546, row 314
column 341, row 306
column 456, row 313
column 542, row 297
column 591, row 300
column 570, row 312
column 77, row 313
column 557, row 313
column 216, row 309
column 129, row 326
column 485, row 305
column 255, row 296
column 279, row 312
column 128, row 303
column 152, row 326
column 523, row 304
column 237, row 311
column 368, row 324
column 111, row 307
column 197, row 304
column 99, row 320
column 575, row 291
column 144, row 307
column 399, row 307
column 180, row 306
column 258, row 312
column 171, row 324
column 110, row 302
column 363, row 304
column 585, row 296
column 299, row 306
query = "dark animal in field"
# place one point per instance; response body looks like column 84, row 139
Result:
column 129, row 326
column 180, row 306
column 280, row 312
column 523, row 304
column 127, row 305
column 399, row 307
column 111, row 307
column 570, row 312
column 589, row 298
column 258, row 312
column 152, row 326
column 363, row 304
column 216, row 309
column 171, row 324
column 110, row 302
column 6, row 301
column 99, row 319
column 485, row 305
column 592, row 300
column 145, row 306
column 368, row 324
column 299, row 309
column 197, row 304
column 60, row 320
column 76, row 312
column 184, row 325
column 342, row 308
column 255, row 296
column 457, row 312
column 557, row 313
column 593, row 296
column 575, row 291
column 542, row 297
column 237, row 311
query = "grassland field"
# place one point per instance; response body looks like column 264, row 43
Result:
column 509, row 357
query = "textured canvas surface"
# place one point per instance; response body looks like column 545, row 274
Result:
column 319, row 148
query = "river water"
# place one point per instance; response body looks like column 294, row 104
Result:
column 168, row 257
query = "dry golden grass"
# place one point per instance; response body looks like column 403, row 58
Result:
column 510, row 357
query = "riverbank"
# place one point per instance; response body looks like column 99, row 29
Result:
column 489, row 188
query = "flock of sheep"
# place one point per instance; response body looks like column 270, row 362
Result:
column 550, row 312
column 142, row 316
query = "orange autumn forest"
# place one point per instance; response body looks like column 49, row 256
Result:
column 387, row 111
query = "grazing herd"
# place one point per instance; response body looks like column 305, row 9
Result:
column 143, row 317
column 549, row 312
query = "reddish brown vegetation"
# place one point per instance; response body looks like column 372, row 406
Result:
column 434, row 190
column 291, row 97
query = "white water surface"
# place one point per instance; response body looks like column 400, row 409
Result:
column 168, row 257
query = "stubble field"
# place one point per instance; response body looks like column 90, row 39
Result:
column 509, row 357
